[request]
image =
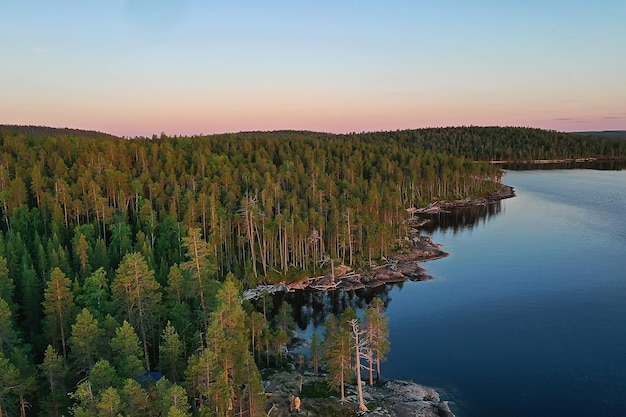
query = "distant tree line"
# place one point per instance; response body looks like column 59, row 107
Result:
column 505, row 143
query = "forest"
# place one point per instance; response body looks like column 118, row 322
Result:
column 122, row 257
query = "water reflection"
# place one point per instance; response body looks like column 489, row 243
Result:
column 462, row 218
column 312, row 307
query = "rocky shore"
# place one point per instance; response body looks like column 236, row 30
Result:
column 504, row 192
column 402, row 266
column 391, row 398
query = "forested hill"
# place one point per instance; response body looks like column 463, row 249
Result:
column 505, row 143
column 124, row 255
column 268, row 202
column 45, row 131
column 617, row 134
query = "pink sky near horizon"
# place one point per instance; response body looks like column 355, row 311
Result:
column 185, row 67
column 179, row 120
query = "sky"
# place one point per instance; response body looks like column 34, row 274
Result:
column 186, row 67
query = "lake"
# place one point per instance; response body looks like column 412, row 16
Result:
column 527, row 316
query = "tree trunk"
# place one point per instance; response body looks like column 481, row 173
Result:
column 357, row 355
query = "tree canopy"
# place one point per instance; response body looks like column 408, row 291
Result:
column 120, row 256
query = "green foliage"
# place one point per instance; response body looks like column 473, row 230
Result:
column 146, row 229
column 137, row 296
column 170, row 352
column 9, row 385
column 85, row 342
column 7, row 287
column 54, row 370
column 58, row 306
column 127, row 351
column 95, row 294
column 318, row 389
column 9, row 337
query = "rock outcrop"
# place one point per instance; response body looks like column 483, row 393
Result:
column 404, row 399
column 392, row 398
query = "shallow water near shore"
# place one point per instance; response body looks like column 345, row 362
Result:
column 527, row 316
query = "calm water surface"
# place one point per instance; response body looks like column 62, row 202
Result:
column 527, row 317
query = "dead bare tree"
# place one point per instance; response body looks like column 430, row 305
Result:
column 360, row 349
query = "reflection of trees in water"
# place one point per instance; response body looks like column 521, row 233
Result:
column 462, row 218
column 312, row 307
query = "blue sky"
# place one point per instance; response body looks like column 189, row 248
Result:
column 138, row 67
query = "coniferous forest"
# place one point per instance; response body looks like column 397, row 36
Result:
column 121, row 258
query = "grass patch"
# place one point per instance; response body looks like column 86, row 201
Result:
column 318, row 389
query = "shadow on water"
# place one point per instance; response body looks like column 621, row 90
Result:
column 310, row 307
column 462, row 218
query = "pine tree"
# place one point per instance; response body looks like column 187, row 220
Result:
column 121, row 242
column 254, row 389
column 316, row 351
column 102, row 375
column 137, row 296
column 170, row 352
column 7, row 287
column 32, row 291
column 58, row 305
column 136, row 399
column 227, row 340
column 337, row 354
column 284, row 318
column 178, row 310
column 54, row 369
column 377, row 336
column 127, row 351
column 200, row 266
column 9, row 337
column 258, row 324
column 171, row 399
column 110, row 403
column 95, row 294
column 27, row 382
column 9, row 383
column 85, row 341
column 84, row 401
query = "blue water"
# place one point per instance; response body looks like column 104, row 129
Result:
column 527, row 316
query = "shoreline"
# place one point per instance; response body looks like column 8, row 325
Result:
column 556, row 161
column 400, row 267
column 389, row 398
